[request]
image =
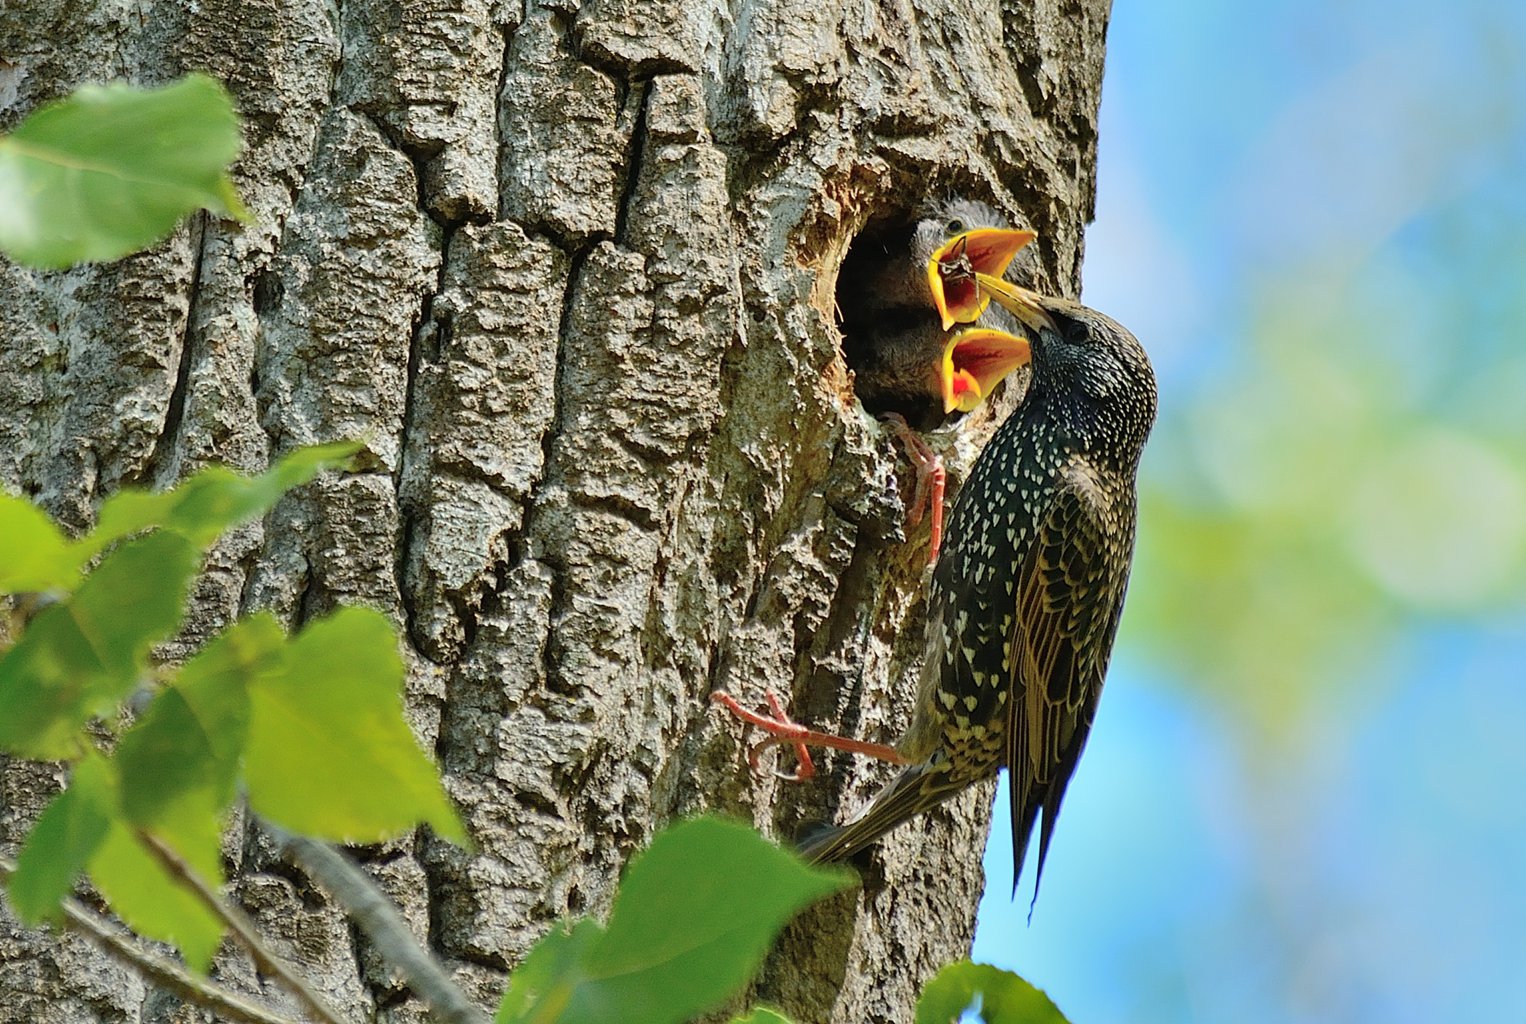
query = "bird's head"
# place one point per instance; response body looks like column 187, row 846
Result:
column 958, row 240
column 1079, row 356
column 1093, row 366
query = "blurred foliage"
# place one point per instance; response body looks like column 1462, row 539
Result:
column 111, row 169
column 694, row 916
column 1002, row 997
column 311, row 727
column 1360, row 465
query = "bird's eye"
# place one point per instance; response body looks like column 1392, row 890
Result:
column 955, row 226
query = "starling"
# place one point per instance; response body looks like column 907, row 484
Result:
column 1026, row 596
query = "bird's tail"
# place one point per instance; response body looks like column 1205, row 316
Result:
column 918, row 788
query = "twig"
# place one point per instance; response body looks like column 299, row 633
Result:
column 241, row 927
column 378, row 917
column 162, row 971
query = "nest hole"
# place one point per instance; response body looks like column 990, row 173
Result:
column 884, row 309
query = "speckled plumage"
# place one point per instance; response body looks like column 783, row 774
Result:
column 1027, row 593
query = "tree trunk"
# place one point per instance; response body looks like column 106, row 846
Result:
column 569, row 272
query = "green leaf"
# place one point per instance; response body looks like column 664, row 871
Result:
column 187, row 745
column 83, row 830
column 302, row 464
column 545, row 983
column 34, row 554
column 62, row 842
column 152, row 902
column 1004, row 997
column 111, row 169
column 214, row 499
column 731, row 889
column 329, row 752
column 80, row 657
column 694, row 916
column 177, row 767
column 763, row 1015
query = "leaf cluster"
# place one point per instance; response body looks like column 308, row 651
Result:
column 309, row 728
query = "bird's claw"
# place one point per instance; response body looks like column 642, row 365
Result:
column 932, row 481
column 781, row 729
column 803, row 770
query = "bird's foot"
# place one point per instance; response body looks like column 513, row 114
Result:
column 931, row 482
column 781, row 729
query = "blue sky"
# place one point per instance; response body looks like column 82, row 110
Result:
column 1301, row 801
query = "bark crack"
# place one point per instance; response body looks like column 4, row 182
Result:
column 635, row 153
column 505, row 66
column 534, row 495
column 156, row 466
column 427, row 333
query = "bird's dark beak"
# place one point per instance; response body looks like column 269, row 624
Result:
column 1017, row 300
column 951, row 273
column 974, row 362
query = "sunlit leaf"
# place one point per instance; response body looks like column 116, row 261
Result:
column 83, row 830
column 329, row 752
column 694, row 916
column 80, row 657
column 111, row 169
column 151, row 901
column 188, row 744
column 215, row 498
column 34, row 554
column 543, row 986
column 62, row 842
column 1004, row 997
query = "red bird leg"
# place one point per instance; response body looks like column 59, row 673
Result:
column 782, row 730
column 940, row 480
column 804, row 768
column 931, row 482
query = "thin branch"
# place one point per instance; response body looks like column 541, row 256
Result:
column 378, row 917
column 241, row 927
column 162, row 971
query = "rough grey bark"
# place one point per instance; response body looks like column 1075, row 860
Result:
column 569, row 271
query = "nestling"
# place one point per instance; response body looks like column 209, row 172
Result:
column 908, row 369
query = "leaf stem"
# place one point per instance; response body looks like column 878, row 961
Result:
column 240, row 926
column 378, row 917
column 163, row 972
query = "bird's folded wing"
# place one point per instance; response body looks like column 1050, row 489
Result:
column 1069, row 594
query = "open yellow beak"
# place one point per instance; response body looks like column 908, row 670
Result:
column 974, row 362
column 952, row 271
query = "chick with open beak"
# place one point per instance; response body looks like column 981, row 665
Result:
column 918, row 357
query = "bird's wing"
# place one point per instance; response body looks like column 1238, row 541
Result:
column 1069, row 595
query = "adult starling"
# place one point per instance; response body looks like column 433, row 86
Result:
column 1026, row 596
